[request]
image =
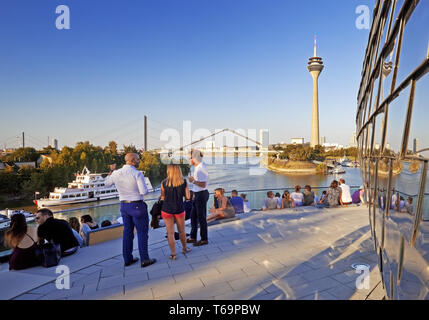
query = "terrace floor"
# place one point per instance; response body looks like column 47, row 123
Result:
column 303, row 253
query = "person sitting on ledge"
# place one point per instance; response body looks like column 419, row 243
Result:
column 246, row 205
column 87, row 225
column 57, row 230
column 225, row 210
column 358, row 196
column 106, row 223
column 270, row 202
column 22, row 239
column 308, row 196
column 297, row 196
column 75, row 226
column 287, row 201
column 237, row 202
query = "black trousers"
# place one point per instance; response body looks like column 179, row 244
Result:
column 199, row 215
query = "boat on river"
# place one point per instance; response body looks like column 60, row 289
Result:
column 87, row 187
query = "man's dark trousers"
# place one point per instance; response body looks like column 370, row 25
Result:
column 199, row 214
column 135, row 215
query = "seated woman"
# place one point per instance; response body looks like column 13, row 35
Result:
column 225, row 210
column 246, row 205
column 287, row 201
column 87, row 225
column 297, row 196
column 333, row 194
column 22, row 239
column 75, row 226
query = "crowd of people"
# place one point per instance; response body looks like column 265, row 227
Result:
column 338, row 194
column 181, row 199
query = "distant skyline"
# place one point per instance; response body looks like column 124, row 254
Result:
column 220, row 64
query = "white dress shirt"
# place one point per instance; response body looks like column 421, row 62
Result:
column 129, row 182
column 201, row 174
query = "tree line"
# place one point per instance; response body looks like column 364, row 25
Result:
column 296, row 152
column 59, row 167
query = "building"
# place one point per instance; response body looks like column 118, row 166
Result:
column 415, row 145
column 297, row 141
column 353, row 141
column 55, row 144
column 322, row 140
column 315, row 67
column 264, row 138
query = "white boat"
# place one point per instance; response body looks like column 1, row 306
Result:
column 5, row 216
column 337, row 170
column 87, row 187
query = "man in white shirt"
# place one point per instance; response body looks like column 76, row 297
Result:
column 346, row 197
column 199, row 180
column 131, row 187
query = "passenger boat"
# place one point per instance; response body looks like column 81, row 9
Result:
column 6, row 215
column 87, row 187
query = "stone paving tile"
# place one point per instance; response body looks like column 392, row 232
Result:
column 45, row 289
column 207, row 292
column 201, row 272
column 342, row 292
column 324, row 295
column 246, row 283
column 89, row 270
column 156, row 274
column 62, row 294
column 110, row 293
column 28, row 296
column 230, row 276
column 278, row 295
column 85, row 279
column 165, row 289
column 107, row 263
column 314, row 286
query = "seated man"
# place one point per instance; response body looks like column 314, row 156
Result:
column 237, row 202
column 270, row 203
column 57, row 230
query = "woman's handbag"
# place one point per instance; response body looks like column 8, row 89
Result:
column 49, row 254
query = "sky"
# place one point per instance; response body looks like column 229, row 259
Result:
column 218, row 63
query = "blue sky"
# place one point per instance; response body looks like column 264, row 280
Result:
column 218, row 63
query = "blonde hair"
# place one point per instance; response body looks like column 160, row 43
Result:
column 174, row 176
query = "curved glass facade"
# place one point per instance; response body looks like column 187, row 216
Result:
column 393, row 138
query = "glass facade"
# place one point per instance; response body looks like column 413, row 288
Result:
column 393, row 139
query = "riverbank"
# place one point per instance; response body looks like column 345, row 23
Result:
column 292, row 167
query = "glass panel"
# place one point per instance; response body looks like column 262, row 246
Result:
column 379, row 123
column 419, row 135
column 405, row 188
column 396, row 123
column 415, row 41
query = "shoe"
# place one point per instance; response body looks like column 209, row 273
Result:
column 190, row 240
column 186, row 250
column 148, row 262
column 131, row 262
column 201, row 243
column 172, row 257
